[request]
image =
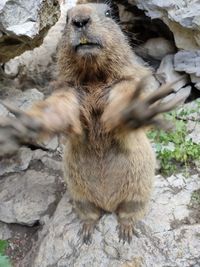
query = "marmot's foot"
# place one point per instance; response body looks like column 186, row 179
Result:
column 86, row 231
column 127, row 231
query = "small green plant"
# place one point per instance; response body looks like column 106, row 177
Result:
column 195, row 198
column 4, row 260
column 173, row 148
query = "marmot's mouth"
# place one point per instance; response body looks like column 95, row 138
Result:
column 88, row 46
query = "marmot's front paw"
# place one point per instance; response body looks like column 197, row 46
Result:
column 16, row 131
column 140, row 111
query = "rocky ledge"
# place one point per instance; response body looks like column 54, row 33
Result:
column 23, row 25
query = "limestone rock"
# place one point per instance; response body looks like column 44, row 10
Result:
column 189, row 62
column 16, row 163
column 24, row 24
column 167, row 74
column 156, row 48
column 27, row 197
column 19, row 99
column 164, row 235
column 40, row 62
column 182, row 17
column 194, row 130
column 190, row 111
column 5, row 232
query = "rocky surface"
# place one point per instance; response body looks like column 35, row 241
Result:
column 182, row 20
column 38, row 65
column 189, row 62
column 169, row 235
column 182, row 17
column 31, row 193
column 36, row 214
column 23, row 25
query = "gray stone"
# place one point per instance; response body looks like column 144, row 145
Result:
column 25, row 100
column 164, row 238
column 24, row 24
column 195, row 80
column 17, row 163
column 167, row 74
column 3, row 111
column 51, row 144
column 5, row 232
column 189, row 111
column 27, row 197
column 41, row 59
column 20, row 99
column 156, row 48
column 188, row 61
column 194, row 130
column 182, row 17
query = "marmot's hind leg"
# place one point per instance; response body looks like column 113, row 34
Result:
column 89, row 215
column 128, row 214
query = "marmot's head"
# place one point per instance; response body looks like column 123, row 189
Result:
column 91, row 30
column 93, row 43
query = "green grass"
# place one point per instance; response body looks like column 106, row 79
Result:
column 4, row 260
column 174, row 150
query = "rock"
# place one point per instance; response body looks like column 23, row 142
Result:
column 24, row 25
column 20, row 99
column 189, row 62
column 52, row 164
column 195, row 80
column 16, row 163
column 48, row 161
column 3, row 111
column 27, row 198
column 190, row 111
column 51, row 144
column 25, row 100
column 156, row 48
column 167, row 74
column 5, row 232
column 39, row 64
column 194, row 130
column 182, row 18
column 164, row 237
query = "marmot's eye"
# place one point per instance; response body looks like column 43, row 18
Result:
column 108, row 13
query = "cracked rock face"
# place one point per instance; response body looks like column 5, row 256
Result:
column 23, row 24
column 182, row 18
column 32, row 191
column 168, row 234
column 26, row 198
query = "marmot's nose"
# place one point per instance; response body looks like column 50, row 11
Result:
column 80, row 22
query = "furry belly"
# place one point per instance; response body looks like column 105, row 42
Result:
column 104, row 181
column 108, row 177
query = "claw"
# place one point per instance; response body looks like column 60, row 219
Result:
column 126, row 232
column 86, row 232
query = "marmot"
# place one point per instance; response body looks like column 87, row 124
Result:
column 108, row 161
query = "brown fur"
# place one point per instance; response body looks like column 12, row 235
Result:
column 105, row 169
